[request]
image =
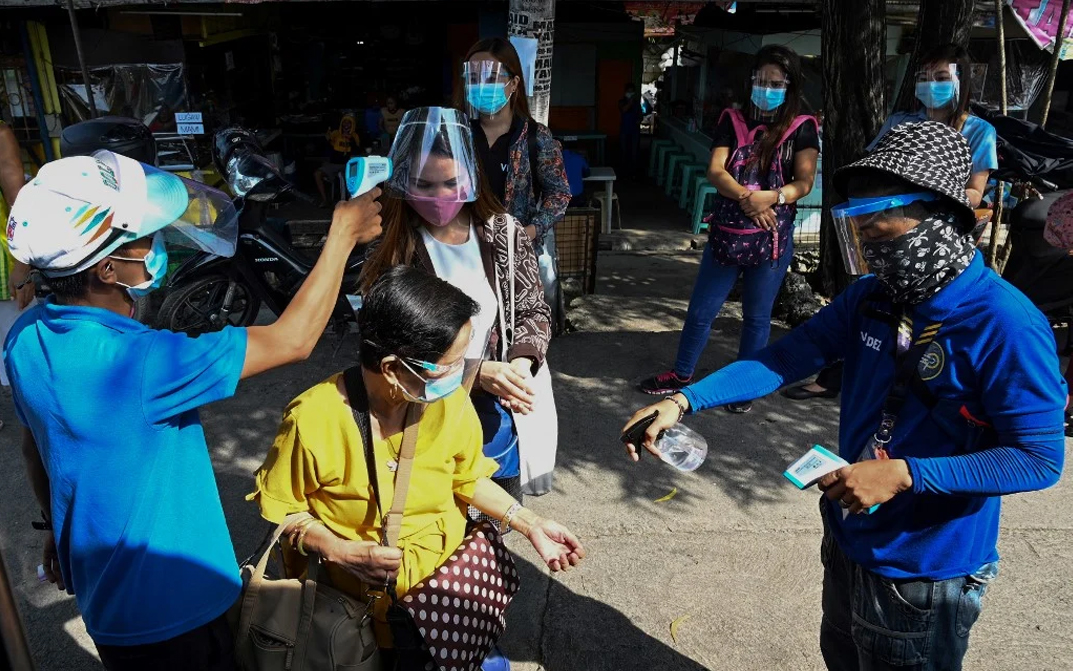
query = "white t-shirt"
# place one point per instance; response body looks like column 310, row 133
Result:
column 461, row 265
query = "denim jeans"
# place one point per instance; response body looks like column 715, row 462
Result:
column 714, row 282
column 872, row 623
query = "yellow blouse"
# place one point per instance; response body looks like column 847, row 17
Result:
column 317, row 464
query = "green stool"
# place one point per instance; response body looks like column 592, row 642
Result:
column 689, row 191
column 653, row 151
column 661, row 158
column 663, row 174
column 703, row 191
column 689, row 183
column 675, row 170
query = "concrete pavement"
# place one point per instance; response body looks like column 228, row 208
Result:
column 733, row 556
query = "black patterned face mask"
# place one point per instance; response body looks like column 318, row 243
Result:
column 915, row 266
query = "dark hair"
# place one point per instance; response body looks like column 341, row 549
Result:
column 788, row 61
column 504, row 52
column 412, row 315
column 959, row 56
column 399, row 222
column 69, row 287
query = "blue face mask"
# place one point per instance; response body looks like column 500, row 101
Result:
column 487, row 98
column 434, row 389
column 768, row 99
column 156, row 264
column 936, row 95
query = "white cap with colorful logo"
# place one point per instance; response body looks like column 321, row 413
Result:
column 80, row 209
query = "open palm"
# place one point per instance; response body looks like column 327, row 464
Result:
column 556, row 545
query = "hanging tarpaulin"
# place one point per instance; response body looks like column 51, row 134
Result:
column 660, row 18
column 145, row 91
column 535, row 19
column 1040, row 20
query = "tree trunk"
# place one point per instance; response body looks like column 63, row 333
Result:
column 939, row 22
column 854, row 48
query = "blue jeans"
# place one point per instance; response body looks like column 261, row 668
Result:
column 714, row 282
column 872, row 623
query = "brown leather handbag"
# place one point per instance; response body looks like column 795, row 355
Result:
column 300, row 624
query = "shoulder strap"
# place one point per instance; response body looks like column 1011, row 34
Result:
column 359, row 406
column 534, row 153
column 393, row 521
column 798, row 121
column 741, row 129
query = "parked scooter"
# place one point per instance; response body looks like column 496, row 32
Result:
column 208, row 292
column 1040, row 165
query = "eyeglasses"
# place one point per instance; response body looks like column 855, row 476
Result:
column 436, row 370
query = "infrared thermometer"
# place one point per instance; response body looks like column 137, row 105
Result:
column 365, row 172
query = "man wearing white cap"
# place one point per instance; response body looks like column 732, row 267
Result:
column 115, row 449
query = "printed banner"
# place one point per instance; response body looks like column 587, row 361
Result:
column 536, row 19
column 1040, row 20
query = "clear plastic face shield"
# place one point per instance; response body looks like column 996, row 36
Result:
column 938, row 86
column 187, row 213
column 861, row 220
column 434, row 158
column 487, row 85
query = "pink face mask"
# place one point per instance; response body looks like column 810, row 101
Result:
column 436, row 211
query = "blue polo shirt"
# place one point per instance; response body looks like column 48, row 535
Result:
column 983, row 140
column 993, row 363
column 112, row 405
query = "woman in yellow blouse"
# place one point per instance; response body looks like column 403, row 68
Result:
column 415, row 330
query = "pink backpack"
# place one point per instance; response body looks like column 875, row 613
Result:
column 734, row 238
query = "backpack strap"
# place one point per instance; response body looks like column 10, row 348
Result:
column 798, row 121
column 533, row 149
column 741, row 129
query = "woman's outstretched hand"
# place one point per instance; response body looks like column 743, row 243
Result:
column 556, row 545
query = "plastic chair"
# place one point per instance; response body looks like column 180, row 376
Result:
column 653, row 151
column 701, row 199
column 662, row 172
column 601, row 197
column 690, row 181
column 691, row 192
column 675, row 166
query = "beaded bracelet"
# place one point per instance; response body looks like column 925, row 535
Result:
column 681, row 408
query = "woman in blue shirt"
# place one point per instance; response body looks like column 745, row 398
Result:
column 943, row 91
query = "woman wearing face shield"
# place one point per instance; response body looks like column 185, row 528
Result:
column 762, row 163
column 942, row 90
column 440, row 216
column 520, row 157
column 417, row 332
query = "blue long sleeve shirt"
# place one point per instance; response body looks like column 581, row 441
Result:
column 997, row 427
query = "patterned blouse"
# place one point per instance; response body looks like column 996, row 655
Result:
column 519, row 196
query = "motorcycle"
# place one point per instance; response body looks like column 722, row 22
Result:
column 1040, row 166
column 207, row 292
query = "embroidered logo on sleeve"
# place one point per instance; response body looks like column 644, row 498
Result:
column 932, row 363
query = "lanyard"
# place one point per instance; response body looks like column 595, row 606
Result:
column 907, row 358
